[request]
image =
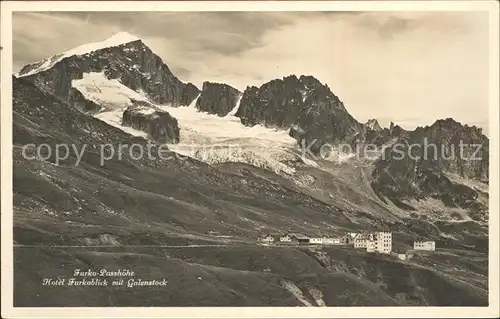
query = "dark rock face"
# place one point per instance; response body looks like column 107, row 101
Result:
column 461, row 149
column 189, row 93
column 217, row 98
column 277, row 103
column 396, row 131
column 405, row 179
column 314, row 115
column 133, row 64
column 377, row 138
column 81, row 103
column 159, row 125
column 373, row 133
column 374, row 125
column 419, row 163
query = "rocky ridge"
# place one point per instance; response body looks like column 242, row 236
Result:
column 217, row 98
column 303, row 105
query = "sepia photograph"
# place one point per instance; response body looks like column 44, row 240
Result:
column 266, row 159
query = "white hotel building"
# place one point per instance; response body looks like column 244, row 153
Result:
column 379, row 242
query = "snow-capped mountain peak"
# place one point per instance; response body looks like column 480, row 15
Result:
column 121, row 38
column 117, row 39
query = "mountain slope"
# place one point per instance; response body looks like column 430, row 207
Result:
column 123, row 83
column 301, row 106
column 438, row 164
column 174, row 193
column 221, row 197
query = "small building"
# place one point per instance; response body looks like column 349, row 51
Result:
column 428, row 245
column 404, row 256
column 331, row 241
column 297, row 239
column 324, row 240
column 268, row 238
column 348, row 238
column 286, row 238
column 316, row 240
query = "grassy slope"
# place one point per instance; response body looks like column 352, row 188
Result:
column 242, row 276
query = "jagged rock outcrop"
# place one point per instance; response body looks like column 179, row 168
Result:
column 132, row 63
column 454, row 147
column 159, row 125
column 396, row 130
column 314, row 115
column 424, row 163
column 81, row 103
column 217, row 98
column 278, row 103
column 374, row 125
column 189, row 93
column 372, row 133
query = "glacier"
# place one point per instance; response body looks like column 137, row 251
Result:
column 215, row 140
column 205, row 137
column 113, row 97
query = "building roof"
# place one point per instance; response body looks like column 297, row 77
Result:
column 376, row 235
column 271, row 234
column 298, row 235
column 422, row 238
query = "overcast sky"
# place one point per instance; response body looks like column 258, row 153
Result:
column 410, row 68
